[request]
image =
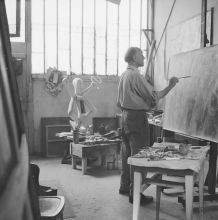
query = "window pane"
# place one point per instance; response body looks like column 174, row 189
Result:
column 135, row 23
column 144, row 41
column 112, row 39
column 63, row 35
column 88, row 39
column 22, row 22
column 37, row 37
column 76, row 28
column 100, row 36
column 50, row 34
column 37, row 63
column 144, row 14
column 69, row 40
column 124, row 34
column 11, row 15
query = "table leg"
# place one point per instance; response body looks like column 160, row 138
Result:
column 100, row 160
column 73, row 161
column 84, row 165
column 201, row 192
column 211, row 176
column 116, row 160
column 158, row 196
column 136, row 194
column 189, row 185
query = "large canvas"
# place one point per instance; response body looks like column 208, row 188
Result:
column 192, row 106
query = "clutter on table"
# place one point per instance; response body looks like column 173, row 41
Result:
column 87, row 139
column 155, row 117
column 110, row 137
column 172, row 151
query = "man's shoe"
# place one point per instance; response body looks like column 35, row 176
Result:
column 143, row 199
column 123, row 191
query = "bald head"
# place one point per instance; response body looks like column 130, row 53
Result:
column 134, row 56
column 129, row 56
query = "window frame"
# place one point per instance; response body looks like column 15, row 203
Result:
column 143, row 3
column 18, row 18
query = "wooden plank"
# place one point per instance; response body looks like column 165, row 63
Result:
column 163, row 182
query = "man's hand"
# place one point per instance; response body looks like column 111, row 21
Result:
column 173, row 81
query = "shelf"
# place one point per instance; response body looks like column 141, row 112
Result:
column 57, row 125
column 51, row 145
column 58, row 140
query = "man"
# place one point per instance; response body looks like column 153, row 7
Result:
column 136, row 96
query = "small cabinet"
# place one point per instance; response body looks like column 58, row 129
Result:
column 51, row 145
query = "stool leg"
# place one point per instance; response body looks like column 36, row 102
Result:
column 84, row 165
column 100, row 161
column 116, row 161
column 73, row 161
column 201, row 193
column 158, row 196
column 189, row 183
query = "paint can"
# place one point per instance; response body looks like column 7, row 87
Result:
column 76, row 136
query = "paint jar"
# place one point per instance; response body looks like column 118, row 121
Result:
column 184, row 149
column 76, row 136
column 90, row 128
column 159, row 139
column 119, row 131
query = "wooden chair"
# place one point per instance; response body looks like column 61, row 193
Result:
column 51, row 207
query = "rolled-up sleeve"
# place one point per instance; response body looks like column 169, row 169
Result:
column 135, row 92
column 145, row 89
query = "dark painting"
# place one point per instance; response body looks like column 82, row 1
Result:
column 192, row 106
column 104, row 125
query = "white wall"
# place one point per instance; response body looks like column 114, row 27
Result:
column 183, row 10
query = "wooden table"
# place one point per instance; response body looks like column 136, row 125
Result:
column 84, row 151
column 183, row 167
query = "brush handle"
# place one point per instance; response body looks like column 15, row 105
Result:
column 183, row 77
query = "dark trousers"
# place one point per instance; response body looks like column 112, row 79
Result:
column 135, row 136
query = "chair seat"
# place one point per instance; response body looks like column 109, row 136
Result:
column 51, row 207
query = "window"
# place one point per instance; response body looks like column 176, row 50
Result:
column 85, row 36
column 15, row 10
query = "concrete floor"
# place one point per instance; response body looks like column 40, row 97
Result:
column 95, row 196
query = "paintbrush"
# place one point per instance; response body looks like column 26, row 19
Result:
column 183, row 77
